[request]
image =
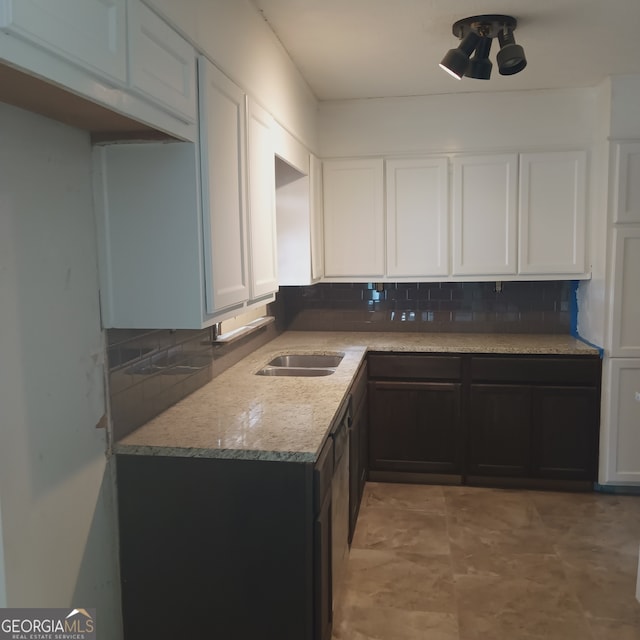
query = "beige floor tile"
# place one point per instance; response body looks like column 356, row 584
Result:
column 399, row 580
column 604, row 629
column 513, row 608
column 412, row 531
column 364, row 623
column 493, row 509
column 584, row 505
column 618, row 533
column 604, row 582
column 416, row 497
column 477, row 549
column 467, row 563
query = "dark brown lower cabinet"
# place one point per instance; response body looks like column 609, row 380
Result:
column 528, row 420
column 415, row 415
column 213, row 548
column 534, row 418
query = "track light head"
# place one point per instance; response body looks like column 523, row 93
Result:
column 456, row 61
column 480, row 66
column 510, row 58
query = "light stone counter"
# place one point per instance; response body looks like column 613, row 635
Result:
column 242, row 415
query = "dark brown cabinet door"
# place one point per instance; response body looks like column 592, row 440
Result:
column 565, row 432
column 500, row 430
column 415, row 427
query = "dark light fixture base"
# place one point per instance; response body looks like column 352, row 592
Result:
column 487, row 26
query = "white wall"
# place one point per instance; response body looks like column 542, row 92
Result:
column 3, row 584
column 236, row 37
column 56, row 491
column 560, row 119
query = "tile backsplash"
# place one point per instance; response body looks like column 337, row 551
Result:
column 519, row 307
column 150, row 370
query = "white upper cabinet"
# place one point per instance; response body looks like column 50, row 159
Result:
column 417, row 217
column 552, row 213
column 625, row 307
column 149, row 236
column 162, row 65
column 263, row 263
column 223, row 162
column 88, row 33
column 353, row 192
column 485, row 215
column 626, row 206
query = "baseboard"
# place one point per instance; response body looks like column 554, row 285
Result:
column 620, row 489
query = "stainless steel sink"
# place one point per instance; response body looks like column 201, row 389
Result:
column 307, row 360
column 306, row 365
column 293, row 372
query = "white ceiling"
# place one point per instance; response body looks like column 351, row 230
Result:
column 373, row 48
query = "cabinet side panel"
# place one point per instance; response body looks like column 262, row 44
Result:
column 215, row 548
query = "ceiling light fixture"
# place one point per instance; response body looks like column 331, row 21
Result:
column 475, row 34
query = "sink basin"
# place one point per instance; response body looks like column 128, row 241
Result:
column 293, row 372
column 300, row 360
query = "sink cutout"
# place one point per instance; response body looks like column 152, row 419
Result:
column 311, row 360
column 295, row 372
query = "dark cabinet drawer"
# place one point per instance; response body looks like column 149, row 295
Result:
column 416, row 367
column 582, row 371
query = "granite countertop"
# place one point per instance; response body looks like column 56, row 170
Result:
column 242, row 415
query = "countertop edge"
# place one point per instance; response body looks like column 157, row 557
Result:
column 211, row 453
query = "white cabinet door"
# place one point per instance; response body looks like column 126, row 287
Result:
column 89, row 33
column 552, row 213
column 620, row 436
column 417, row 217
column 626, row 190
column 317, row 218
column 353, row 193
column 223, row 145
column 162, row 65
column 263, row 257
column 625, row 307
column 485, row 215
